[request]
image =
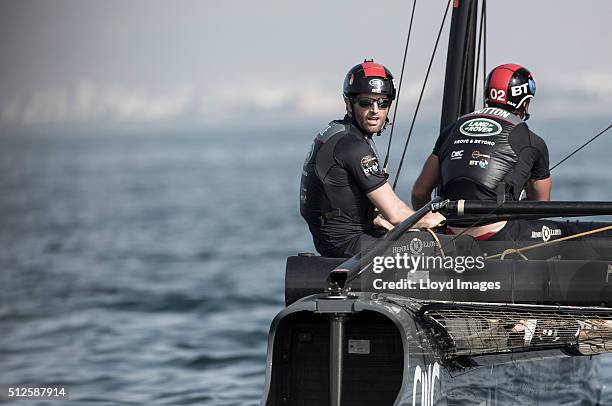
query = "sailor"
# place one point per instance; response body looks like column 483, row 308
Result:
column 343, row 183
column 490, row 154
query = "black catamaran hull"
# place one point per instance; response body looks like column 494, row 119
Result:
column 392, row 357
column 518, row 331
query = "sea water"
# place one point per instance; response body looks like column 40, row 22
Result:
column 146, row 268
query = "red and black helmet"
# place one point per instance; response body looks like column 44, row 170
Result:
column 368, row 77
column 508, row 86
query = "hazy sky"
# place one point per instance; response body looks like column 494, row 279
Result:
column 219, row 63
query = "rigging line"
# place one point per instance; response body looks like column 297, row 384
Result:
column 399, row 88
column 478, row 54
column 543, row 244
column 583, row 145
column 416, row 111
column 484, row 51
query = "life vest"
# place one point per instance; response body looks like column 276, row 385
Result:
column 477, row 153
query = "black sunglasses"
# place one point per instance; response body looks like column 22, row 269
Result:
column 368, row 102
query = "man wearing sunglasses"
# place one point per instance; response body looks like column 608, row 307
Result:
column 343, row 182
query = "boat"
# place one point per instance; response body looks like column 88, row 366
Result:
column 520, row 325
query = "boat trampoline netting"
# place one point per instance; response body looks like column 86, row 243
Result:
column 469, row 330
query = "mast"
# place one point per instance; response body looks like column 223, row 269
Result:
column 459, row 79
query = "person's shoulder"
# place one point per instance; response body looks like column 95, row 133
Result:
column 333, row 128
column 447, row 130
column 535, row 141
column 535, row 138
column 533, row 134
column 442, row 136
column 352, row 148
column 353, row 141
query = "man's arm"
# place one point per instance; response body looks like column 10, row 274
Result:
column 539, row 189
column 426, row 182
column 396, row 211
column 360, row 161
column 540, row 182
column 389, row 204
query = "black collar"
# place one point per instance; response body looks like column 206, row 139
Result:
column 348, row 119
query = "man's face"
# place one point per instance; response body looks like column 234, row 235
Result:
column 371, row 118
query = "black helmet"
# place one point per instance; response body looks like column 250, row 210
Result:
column 509, row 85
column 368, row 77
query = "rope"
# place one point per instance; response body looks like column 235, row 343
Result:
column 484, row 50
column 439, row 244
column 416, row 111
column 542, row 244
column 399, row 88
column 513, row 250
column 583, row 145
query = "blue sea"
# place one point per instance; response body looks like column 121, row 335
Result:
column 146, row 268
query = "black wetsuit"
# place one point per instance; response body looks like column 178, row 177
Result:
column 341, row 168
column 489, row 153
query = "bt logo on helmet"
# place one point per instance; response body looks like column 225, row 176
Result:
column 518, row 90
column 377, row 85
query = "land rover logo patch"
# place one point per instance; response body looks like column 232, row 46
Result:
column 369, row 164
column 480, row 127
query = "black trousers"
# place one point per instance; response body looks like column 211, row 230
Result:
column 357, row 244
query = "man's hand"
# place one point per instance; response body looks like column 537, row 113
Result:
column 382, row 222
column 430, row 220
column 395, row 211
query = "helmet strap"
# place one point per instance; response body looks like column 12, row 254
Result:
column 351, row 102
column 351, row 111
column 525, row 107
column 384, row 127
